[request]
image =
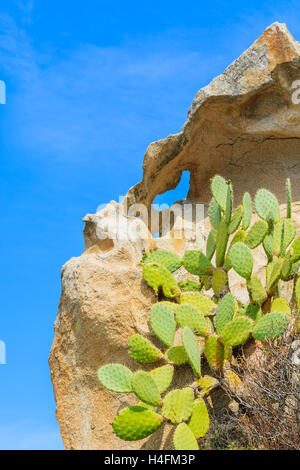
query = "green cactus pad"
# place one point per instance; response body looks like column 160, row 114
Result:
column 286, row 268
column 211, row 244
column 201, row 301
column 256, row 234
column 188, row 285
column 141, row 350
column 266, row 203
column 136, row 422
column 256, row 290
column 214, row 352
column 163, row 324
column 241, row 259
column 271, row 326
column 236, row 219
column 199, row 421
column 284, row 233
column 295, row 250
column 247, row 203
column 195, row 262
column 178, row 405
column 268, row 243
column 273, row 273
column 205, row 385
column 192, row 350
column 163, row 377
column 280, row 305
column 288, row 199
column 214, row 213
column 184, row 438
column 177, row 355
column 145, row 388
column 206, row 281
column 297, row 293
column 220, row 282
column 169, row 260
column 238, row 237
column 115, row 377
column 189, row 315
column 237, row 331
column 229, row 201
column 171, row 305
column 221, row 241
column 225, row 312
column 219, row 188
column 157, row 275
column 254, row 312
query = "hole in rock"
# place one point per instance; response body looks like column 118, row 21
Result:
column 180, row 192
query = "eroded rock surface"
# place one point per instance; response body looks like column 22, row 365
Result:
column 244, row 126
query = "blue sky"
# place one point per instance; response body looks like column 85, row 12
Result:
column 89, row 85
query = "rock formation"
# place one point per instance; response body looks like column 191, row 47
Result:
column 244, row 125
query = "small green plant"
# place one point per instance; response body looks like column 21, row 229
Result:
column 221, row 320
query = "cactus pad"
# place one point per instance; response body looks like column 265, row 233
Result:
column 284, row 233
column 256, row 290
column 236, row 219
column 214, row 352
column 247, row 203
column 233, row 381
column 169, row 260
column 184, row 438
column 178, row 405
column 177, row 355
column 199, row 421
column 195, row 262
column 273, row 273
column 171, row 305
column 271, row 326
column 145, row 388
column 256, row 234
column 295, row 250
column 254, row 312
column 189, row 315
column 211, row 244
column 280, row 305
column 163, row 377
column 201, row 301
column 214, row 213
column 266, row 203
column 225, row 312
column 205, row 385
column 219, row 188
column 188, row 285
column 237, row 331
column 116, row 378
column 221, row 241
column 163, row 323
column 241, row 259
column 136, row 422
column 238, row 237
column 192, row 350
column 157, row 275
column 141, row 350
column 219, row 282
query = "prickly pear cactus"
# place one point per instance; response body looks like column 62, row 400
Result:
column 211, row 326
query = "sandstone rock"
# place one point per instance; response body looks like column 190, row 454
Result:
column 243, row 126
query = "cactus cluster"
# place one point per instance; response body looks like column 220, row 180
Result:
column 219, row 319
